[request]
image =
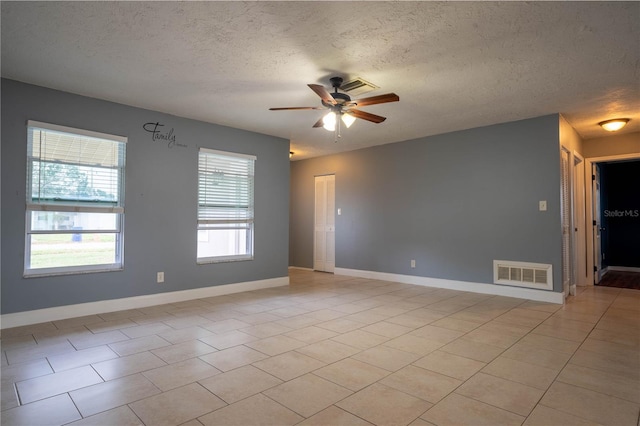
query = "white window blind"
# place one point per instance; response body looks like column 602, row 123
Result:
column 225, row 188
column 70, row 169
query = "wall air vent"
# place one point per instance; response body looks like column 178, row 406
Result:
column 523, row 274
column 357, row 87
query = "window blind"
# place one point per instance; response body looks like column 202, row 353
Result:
column 225, row 189
column 73, row 169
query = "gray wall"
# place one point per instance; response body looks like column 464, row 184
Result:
column 160, row 201
column 454, row 202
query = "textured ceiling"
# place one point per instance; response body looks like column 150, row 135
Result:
column 455, row 65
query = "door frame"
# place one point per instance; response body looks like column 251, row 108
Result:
column 590, row 202
column 332, row 261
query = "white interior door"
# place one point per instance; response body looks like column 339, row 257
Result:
column 565, row 209
column 597, row 242
column 324, row 244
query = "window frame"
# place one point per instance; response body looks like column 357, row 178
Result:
column 78, row 206
column 209, row 224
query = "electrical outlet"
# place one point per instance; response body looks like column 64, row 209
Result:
column 160, row 277
column 413, row 263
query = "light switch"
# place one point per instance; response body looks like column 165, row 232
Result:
column 542, row 206
column 339, row 212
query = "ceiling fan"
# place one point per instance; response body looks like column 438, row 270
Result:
column 342, row 106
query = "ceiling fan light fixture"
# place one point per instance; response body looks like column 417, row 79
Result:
column 329, row 121
column 614, row 124
column 348, row 119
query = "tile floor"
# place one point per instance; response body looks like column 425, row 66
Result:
column 333, row 350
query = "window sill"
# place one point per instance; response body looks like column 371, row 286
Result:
column 208, row 260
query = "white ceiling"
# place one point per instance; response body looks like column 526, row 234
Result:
column 455, row 65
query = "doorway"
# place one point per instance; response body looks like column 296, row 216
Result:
column 599, row 251
column 324, row 241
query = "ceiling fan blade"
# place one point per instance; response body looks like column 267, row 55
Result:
column 323, row 93
column 319, row 123
column 380, row 99
column 292, row 108
column 366, row 116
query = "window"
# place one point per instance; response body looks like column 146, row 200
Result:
column 75, row 200
column 225, row 206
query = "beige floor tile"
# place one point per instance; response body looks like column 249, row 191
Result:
column 91, row 340
column 311, row 334
column 188, row 321
column 537, row 356
column 299, row 321
column 24, row 371
column 407, row 320
column 257, row 410
column 28, row 329
column 366, row 317
column 541, row 306
column 456, row 324
column 328, row 351
column 631, row 339
column 265, row 330
column 413, row 344
column 124, row 366
column 591, row 405
column 228, row 339
column 121, row 416
column 54, row 384
column 128, row 313
column 545, row 416
column 180, row 374
column 240, row 383
column 114, row 393
column 572, row 334
column 31, row 353
column 308, row 394
column 387, row 329
column 185, row 334
column 289, row 365
column 230, row 324
column 289, row 311
column 421, row 383
column 57, row 410
column 340, row 325
column 360, row 339
column 386, row 358
column 474, row 350
column 182, row 351
column 146, row 330
column 334, row 416
column 624, row 352
column 176, row 406
column 140, row 344
column 550, row 343
column 74, row 322
column 619, row 386
column 112, row 325
column 611, row 363
column 81, row 358
column 382, row 405
column 351, row 374
column 437, row 334
column 521, row 372
column 451, row 365
column 275, row 345
column 494, row 338
column 459, row 410
column 502, row 393
column 229, row 359
column 8, row 396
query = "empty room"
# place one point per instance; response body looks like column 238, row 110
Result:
column 320, row 213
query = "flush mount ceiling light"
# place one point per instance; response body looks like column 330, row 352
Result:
column 614, row 124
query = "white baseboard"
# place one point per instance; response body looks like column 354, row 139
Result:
column 92, row 308
column 301, row 268
column 623, row 268
column 499, row 290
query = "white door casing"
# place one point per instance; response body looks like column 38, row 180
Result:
column 324, row 224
